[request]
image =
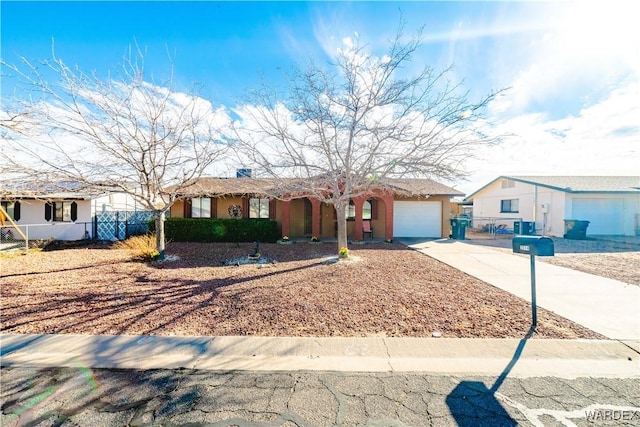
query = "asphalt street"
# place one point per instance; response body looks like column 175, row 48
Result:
column 97, row 397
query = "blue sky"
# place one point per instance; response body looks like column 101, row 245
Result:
column 573, row 67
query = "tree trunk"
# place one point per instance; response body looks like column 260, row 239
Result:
column 341, row 218
column 160, row 241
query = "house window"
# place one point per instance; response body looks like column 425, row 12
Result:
column 509, row 206
column 366, row 210
column 12, row 209
column 259, row 208
column 508, row 183
column 61, row 211
column 351, row 210
column 201, row 207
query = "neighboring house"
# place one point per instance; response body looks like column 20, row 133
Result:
column 407, row 208
column 611, row 204
column 61, row 215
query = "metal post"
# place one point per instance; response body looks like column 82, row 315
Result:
column 534, row 309
column 26, row 240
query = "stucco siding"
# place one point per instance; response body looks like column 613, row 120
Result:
column 549, row 208
column 33, row 223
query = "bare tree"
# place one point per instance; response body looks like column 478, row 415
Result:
column 117, row 133
column 349, row 128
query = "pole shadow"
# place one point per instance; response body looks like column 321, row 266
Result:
column 472, row 404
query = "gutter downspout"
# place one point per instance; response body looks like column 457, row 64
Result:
column 535, row 209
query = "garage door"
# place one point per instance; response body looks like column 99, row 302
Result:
column 417, row 219
column 605, row 215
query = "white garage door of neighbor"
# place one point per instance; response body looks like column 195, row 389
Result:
column 417, row 219
column 605, row 215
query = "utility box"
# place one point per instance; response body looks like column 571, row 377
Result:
column 526, row 228
column 533, row 245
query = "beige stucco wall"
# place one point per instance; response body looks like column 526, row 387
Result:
column 222, row 210
column 327, row 216
column 177, row 209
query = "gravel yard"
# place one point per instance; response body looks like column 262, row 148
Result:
column 381, row 290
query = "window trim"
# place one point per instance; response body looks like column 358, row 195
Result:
column 12, row 208
column 263, row 208
column 509, row 209
column 352, row 206
column 197, row 207
column 52, row 209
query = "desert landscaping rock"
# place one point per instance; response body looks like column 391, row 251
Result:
column 390, row 291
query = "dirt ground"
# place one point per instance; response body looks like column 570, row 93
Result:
column 617, row 259
column 381, row 290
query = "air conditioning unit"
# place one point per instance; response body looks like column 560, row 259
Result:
column 544, row 207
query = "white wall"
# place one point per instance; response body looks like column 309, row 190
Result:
column 540, row 204
column 115, row 202
column 535, row 200
column 32, row 222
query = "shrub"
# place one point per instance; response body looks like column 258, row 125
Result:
column 220, row 230
column 141, row 247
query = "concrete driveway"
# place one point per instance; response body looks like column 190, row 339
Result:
column 606, row 306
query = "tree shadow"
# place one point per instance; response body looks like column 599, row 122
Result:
column 184, row 297
column 472, row 404
column 58, row 396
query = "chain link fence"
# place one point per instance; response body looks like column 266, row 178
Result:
column 105, row 226
column 493, row 227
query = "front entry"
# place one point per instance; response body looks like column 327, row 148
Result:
column 308, row 218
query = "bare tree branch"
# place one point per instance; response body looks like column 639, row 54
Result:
column 352, row 127
column 122, row 132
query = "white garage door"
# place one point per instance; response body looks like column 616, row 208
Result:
column 417, row 219
column 605, row 215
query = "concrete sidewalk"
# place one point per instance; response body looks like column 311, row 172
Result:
column 521, row 358
column 606, row 306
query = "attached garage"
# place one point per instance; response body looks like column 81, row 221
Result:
column 417, row 219
column 605, row 216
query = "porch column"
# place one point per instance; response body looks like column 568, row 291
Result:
column 286, row 217
column 388, row 214
column 315, row 217
column 358, row 202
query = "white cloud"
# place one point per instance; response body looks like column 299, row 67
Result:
column 588, row 47
column 603, row 139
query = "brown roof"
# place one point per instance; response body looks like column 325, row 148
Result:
column 210, row 186
column 423, row 187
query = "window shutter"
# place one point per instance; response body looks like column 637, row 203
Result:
column 74, row 211
column 16, row 211
column 48, row 211
column 187, row 208
column 245, row 207
column 214, row 207
column 374, row 208
column 272, row 208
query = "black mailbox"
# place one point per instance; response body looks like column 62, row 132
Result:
column 533, row 245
